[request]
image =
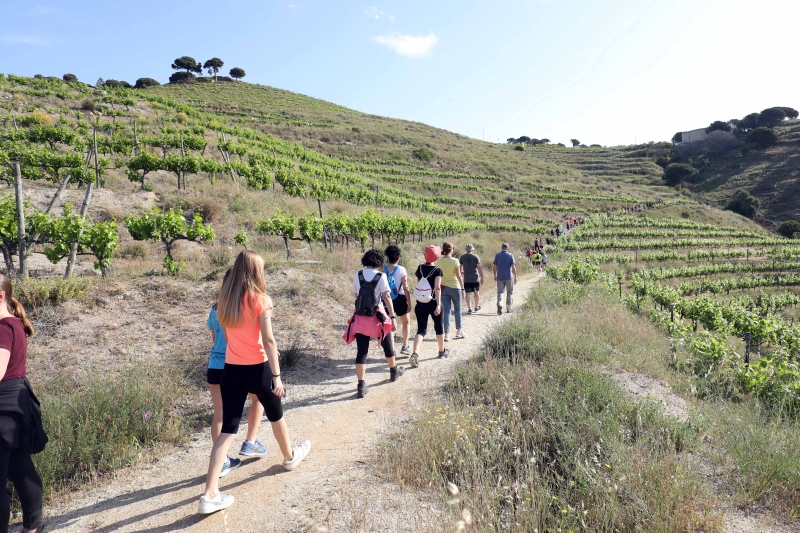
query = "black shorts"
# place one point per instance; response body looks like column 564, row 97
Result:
column 423, row 311
column 400, row 305
column 214, row 376
column 472, row 287
column 240, row 380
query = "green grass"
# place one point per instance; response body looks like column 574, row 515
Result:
column 107, row 423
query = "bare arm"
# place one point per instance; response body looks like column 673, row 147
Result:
column 404, row 285
column 480, row 271
column 437, row 289
column 271, row 349
column 494, row 271
column 387, row 301
column 514, row 271
column 5, row 355
column 459, row 277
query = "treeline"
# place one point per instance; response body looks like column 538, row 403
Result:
column 186, row 67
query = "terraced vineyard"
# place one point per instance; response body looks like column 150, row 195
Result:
column 195, row 136
column 726, row 294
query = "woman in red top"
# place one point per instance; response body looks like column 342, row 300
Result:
column 251, row 366
column 21, row 430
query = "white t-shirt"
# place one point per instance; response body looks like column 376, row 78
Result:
column 399, row 274
column 369, row 273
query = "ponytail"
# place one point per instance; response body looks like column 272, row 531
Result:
column 13, row 305
column 16, row 309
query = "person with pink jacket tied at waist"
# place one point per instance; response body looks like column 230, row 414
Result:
column 373, row 318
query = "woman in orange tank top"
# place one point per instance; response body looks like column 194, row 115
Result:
column 251, row 366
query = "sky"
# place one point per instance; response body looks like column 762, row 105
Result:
column 609, row 72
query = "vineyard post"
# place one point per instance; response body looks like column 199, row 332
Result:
column 748, row 337
column 23, row 260
column 182, row 177
column 73, row 249
column 377, row 193
column 135, row 139
column 637, row 255
column 672, row 312
column 14, row 121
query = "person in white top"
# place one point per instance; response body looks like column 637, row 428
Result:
column 397, row 277
column 373, row 318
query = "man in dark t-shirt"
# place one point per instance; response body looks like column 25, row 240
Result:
column 472, row 270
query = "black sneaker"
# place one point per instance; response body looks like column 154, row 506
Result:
column 469, row 311
column 413, row 360
column 499, row 309
column 395, row 373
column 445, row 353
column 362, row 389
column 508, row 309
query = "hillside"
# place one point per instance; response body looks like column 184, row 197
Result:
column 308, row 185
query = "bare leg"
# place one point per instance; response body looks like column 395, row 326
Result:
column 361, row 371
column 406, row 322
column 254, row 418
column 281, row 433
column 417, row 342
column 440, row 341
column 219, row 453
column 216, row 422
column 477, row 295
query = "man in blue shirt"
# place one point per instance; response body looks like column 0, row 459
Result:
column 505, row 274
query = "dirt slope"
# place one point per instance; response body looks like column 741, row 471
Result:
column 333, row 490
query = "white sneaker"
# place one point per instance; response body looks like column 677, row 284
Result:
column 447, row 337
column 299, row 453
column 217, row 503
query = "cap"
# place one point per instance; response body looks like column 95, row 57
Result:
column 432, row 253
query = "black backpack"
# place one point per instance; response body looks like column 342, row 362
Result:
column 366, row 305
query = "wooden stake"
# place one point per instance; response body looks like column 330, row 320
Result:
column 23, row 260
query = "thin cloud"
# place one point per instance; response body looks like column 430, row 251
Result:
column 23, row 39
column 409, row 45
column 373, row 12
column 293, row 6
column 392, row 18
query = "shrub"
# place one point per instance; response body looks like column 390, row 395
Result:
column 663, row 161
column 769, row 118
column 106, row 424
column 36, row 118
column 70, row 78
column 141, row 83
column 87, row 104
column 35, row 293
column 718, row 125
column 181, row 77
column 678, row 172
column 115, row 84
column 762, row 138
column 686, row 214
column 182, row 117
column 356, row 129
column 519, row 148
column 789, row 228
column 133, row 250
column 423, row 154
column 743, row 203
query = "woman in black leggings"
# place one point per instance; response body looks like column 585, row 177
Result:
column 433, row 308
column 362, row 327
column 21, row 432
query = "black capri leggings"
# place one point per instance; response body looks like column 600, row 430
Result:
column 18, row 468
column 362, row 343
column 423, row 311
column 239, row 380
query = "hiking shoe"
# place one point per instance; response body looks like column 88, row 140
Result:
column 413, row 360
column 253, row 449
column 499, row 309
column 211, row 505
column 445, row 353
column 361, row 391
column 229, row 466
column 447, row 337
column 299, row 453
column 469, row 311
column 405, row 351
column 395, row 373
column 477, row 308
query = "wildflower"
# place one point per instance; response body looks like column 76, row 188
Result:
column 147, row 415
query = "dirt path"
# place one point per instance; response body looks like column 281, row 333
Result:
column 333, row 490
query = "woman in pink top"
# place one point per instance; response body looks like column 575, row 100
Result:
column 251, row 366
